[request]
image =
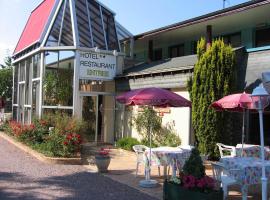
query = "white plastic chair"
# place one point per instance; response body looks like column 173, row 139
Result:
column 139, row 150
column 219, row 174
column 226, row 149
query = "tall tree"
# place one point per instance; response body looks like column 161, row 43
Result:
column 8, row 63
column 6, row 79
column 213, row 78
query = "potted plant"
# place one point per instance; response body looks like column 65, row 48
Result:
column 192, row 182
column 102, row 160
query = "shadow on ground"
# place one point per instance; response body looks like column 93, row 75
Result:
column 82, row 185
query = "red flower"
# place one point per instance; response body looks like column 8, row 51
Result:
column 104, row 152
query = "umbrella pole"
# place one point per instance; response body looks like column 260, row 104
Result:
column 243, row 131
column 150, row 143
column 148, row 183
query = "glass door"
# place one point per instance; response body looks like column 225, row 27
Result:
column 89, row 116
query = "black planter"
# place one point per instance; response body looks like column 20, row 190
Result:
column 173, row 191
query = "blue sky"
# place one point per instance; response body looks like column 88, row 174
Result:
column 136, row 15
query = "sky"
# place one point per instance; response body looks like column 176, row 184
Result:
column 137, row 16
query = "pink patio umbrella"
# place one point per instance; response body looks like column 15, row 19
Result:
column 152, row 97
column 235, row 103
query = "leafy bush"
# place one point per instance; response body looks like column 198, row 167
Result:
column 167, row 137
column 62, row 141
column 63, row 122
column 148, row 120
column 161, row 135
column 127, row 143
column 146, row 142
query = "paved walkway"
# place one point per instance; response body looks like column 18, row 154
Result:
column 24, row 177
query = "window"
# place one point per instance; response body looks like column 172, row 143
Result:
column 36, row 66
column 194, row 47
column 262, row 37
column 61, row 33
column 157, row 54
column 176, row 51
column 233, row 39
column 58, row 80
column 15, row 88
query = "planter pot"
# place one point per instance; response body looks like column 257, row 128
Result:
column 102, row 163
column 173, row 191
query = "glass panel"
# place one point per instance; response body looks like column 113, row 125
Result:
column 58, row 81
column 15, row 112
column 83, row 24
column 91, row 86
column 55, row 31
column 22, row 71
column 35, row 97
column 96, row 24
column 53, row 111
column 109, row 26
column 27, row 115
column 262, row 37
column 236, row 40
column 28, row 80
column 67, row 34
column 36, row 66
column 21, row 102
column 50, row 78
column 157, row 54
column 89, row 105
column 174, row 52
column 15, row 88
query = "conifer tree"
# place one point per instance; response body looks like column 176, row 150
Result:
column 213, row 78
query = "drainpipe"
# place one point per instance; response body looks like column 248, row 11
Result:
column 208, row 36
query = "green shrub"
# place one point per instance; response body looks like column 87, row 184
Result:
column 148, row 120
column 194, row 165
column 62, row 141
column 161, row 135
column 167, row 137
column 146, row 142
column 127, row 143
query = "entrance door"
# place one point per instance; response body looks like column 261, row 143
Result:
column 89, row 116
column 92, row 115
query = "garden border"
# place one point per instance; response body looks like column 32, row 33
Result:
column 39, row 156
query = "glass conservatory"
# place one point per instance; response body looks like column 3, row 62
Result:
column 66, row 60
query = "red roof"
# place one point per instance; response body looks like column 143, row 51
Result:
column 35, row 25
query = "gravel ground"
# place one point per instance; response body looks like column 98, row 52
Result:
column 23, row 177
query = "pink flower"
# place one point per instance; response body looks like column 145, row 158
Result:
column 189, row 181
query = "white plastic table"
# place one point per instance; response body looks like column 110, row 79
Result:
column 249, row 173
column 166, row 156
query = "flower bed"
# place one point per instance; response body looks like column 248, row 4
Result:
column 192, row 182
column 60, row 141
column 172, row 191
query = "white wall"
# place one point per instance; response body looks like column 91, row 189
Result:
column 179, row 117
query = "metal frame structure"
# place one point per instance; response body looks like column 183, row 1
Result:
column 41, row 52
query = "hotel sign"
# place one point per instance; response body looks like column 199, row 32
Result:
column 97, row 66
